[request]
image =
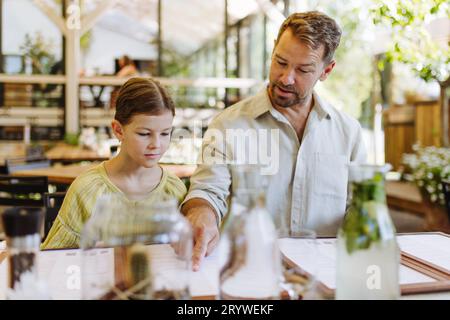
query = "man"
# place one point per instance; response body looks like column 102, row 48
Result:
column 315, row 141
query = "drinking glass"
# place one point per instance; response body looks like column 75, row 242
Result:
column 136, row 250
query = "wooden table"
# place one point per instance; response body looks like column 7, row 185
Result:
column 406, row 196
column 11, row 150
column 54, row 264
column 66, row 152
column 61, row 152
column 57, row 174
column 55, row 268
column 66, row 174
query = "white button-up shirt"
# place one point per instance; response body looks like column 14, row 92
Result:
column 307, row 180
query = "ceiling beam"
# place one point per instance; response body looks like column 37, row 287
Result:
column 52, row 15
column 90, row 20
column 271, row 11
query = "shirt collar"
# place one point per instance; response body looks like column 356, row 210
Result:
column 261, row 103
column 321, row 107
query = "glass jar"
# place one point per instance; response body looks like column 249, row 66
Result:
column 249, row 256
column 134, row 250
column 368, row 255
column 22, row 227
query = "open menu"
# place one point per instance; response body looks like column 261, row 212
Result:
column 425, row 261
column 425, row 266
column 61, row 271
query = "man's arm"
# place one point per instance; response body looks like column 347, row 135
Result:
column 206, row 201
column 203, row 219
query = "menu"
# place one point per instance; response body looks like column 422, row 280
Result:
column 425, row 261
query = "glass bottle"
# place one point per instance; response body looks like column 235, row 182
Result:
column 148, row 245
column 249, row 257
column 368, row 255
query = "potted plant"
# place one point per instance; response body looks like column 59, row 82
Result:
column 38, row 50
column 428, row 168
column 39, row 59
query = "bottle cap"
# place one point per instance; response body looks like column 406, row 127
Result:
column 22, row 221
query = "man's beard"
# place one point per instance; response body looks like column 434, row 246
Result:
column 285, row 102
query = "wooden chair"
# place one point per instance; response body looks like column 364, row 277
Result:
column 52, row 203
column 23, row 191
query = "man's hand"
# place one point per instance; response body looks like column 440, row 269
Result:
column 204, row 225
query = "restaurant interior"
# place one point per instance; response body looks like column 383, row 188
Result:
column 63, row 62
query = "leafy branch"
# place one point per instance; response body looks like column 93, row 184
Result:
column 412, row 43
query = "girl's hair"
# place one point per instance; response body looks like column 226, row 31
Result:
column 142, row 96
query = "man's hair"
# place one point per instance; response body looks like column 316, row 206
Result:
column 314, row 29
column 142, row 96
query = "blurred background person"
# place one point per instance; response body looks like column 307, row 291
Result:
column 127, row 67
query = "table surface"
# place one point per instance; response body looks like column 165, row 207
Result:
column 57, row 174
column 67, row 174
column 11, row 150
column 404, row 190
column 60, row 152
column 63, row 151
column 208, row 273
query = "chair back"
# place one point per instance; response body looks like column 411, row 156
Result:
column 52, row 203
column 22, row 191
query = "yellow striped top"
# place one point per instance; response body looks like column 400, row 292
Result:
column 82, row 195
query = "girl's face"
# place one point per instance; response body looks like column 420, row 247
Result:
column 145, row 138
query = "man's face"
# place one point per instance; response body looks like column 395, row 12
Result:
column 294, row 71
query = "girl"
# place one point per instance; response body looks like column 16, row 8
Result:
column 143, row 124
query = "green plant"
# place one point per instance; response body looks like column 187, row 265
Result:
column 174, row 63
column 428, row 167
column 38, row 50
column 71, row 138
column 349, row 85
column 414, row 46
column 361, row 225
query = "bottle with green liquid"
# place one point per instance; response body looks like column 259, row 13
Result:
column 368, row 255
